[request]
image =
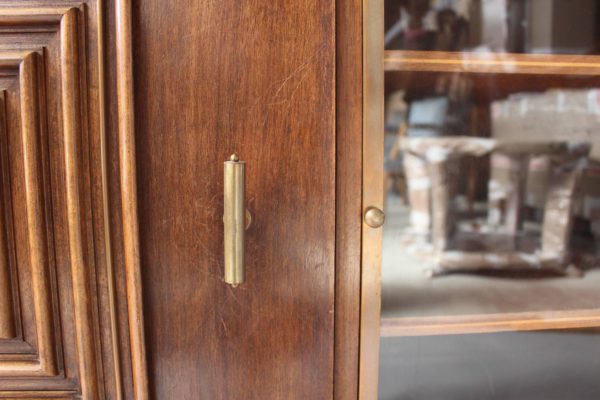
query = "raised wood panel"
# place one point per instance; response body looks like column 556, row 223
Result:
column 58, row 333
column 31, row 242
column 70, row 305
column 8, row 320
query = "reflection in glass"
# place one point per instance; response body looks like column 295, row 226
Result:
column 514, row 26
column 492, row 188
column 553, row 365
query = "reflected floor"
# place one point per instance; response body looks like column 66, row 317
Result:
column 506, row 366
column 408, row 292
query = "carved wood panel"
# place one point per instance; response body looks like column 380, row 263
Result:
column 59, row 328
column 43, row 230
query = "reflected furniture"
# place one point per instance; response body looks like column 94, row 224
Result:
column 501, row 245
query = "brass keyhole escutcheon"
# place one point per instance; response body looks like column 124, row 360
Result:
column 374, row 217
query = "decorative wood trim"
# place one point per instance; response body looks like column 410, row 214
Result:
column 42, row 385
column 110, row 273
column 373, row 93
column 69, row 68
column 20, row 359
column 490, row 323
column 129, row 201
column 71, row 117
column 497, row 63
column 35, row 215
column 46, row 395
column 14, row 351
column 32, row 15
column 30, row 81
column 7, row 316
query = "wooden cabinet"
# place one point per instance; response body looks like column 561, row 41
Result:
column 115, row 119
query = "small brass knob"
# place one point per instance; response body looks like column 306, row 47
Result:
column 374, row 217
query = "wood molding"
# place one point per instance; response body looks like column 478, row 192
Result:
column 17, row 360
column 108, row 244
column 46, row 364
column 57, row 120
column 72, row 129
column 47, row 395
column 490, row 323
column 8, row 328
column 496, row 63
column 129, row 201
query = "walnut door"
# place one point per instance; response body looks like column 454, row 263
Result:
column 257, row 79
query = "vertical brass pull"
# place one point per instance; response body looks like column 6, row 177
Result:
column 234, row 219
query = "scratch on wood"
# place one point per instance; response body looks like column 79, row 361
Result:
column 224, row 327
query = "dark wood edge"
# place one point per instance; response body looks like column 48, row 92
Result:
column 348, row 197
column 129, row 203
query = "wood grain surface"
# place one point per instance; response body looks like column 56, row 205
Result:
column 256, row 78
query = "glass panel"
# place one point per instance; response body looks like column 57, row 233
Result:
column 551, row 365
column 513, row 26
column 492, row 187
column 493, row 194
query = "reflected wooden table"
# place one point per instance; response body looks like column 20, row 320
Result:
column 566, row 163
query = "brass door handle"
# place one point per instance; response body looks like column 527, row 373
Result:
column 234, row 220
